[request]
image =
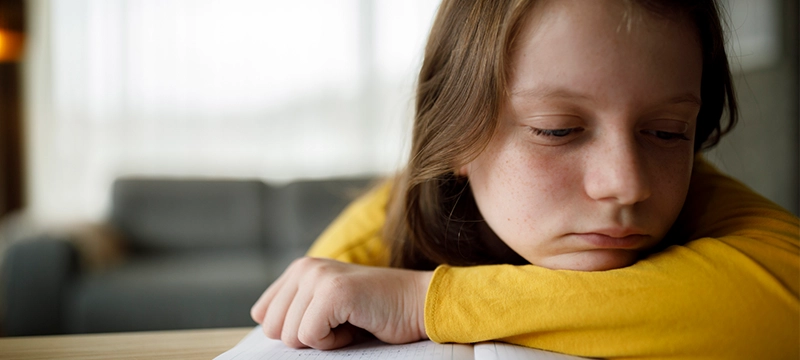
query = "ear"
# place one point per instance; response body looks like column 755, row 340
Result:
column 463, row 170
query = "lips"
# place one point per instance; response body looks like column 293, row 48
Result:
column 615, row 240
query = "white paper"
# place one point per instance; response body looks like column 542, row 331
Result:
column 503, row 351
column 257, row 346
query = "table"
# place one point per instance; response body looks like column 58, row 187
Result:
column 177, row 344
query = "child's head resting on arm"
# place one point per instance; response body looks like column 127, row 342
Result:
column 559, row 133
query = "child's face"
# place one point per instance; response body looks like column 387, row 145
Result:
column 593, row 153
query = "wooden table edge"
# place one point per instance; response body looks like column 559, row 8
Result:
column 172, row 344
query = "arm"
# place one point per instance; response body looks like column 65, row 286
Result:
column 731, row 293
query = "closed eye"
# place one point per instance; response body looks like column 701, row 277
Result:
column 667, row 132
column 553, row 137
column 666, row 135
column 554, row 132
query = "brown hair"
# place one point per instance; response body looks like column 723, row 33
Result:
column 462, row 85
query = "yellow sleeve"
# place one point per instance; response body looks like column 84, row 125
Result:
column 355, row 235
column 730, row 293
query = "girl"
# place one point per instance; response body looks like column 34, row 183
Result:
column 552, row 136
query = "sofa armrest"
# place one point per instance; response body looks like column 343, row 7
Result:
column 35, row 275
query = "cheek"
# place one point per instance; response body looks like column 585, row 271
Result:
column 670, row 175
column 676, row 180
column 672, row 166
column 518, row 188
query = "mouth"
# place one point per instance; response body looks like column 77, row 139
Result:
column 615, row 240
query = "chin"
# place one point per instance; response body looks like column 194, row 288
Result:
column 591, row 260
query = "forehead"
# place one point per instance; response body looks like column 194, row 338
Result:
column 625, row 15
column 605, row 47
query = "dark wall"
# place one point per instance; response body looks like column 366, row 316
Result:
column 762, row 151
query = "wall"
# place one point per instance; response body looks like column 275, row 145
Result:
column 762, row 151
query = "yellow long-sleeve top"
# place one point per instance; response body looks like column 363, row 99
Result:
column 730, row 292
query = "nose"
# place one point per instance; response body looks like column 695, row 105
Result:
column 615, row 171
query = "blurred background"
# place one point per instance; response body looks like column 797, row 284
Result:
column 280, row 90
column 95, row 90
column 244, row 88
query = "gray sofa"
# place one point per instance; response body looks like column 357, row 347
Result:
column 186, row 253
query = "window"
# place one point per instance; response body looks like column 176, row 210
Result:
column 236, row 88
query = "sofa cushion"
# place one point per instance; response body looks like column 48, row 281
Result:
column 164, row 214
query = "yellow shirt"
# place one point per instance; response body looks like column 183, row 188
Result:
column 730, row 292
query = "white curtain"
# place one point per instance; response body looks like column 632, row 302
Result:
column 275, row 90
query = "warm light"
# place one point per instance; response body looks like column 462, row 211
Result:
column 10, row 46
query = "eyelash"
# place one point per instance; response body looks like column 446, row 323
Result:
column 555, row 132
column 666, row 135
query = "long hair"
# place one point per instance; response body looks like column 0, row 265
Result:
column 431, row 216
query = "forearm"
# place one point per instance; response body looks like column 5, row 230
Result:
column 703, row 299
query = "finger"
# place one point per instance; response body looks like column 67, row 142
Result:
column 276, row 310
column 259, row 309
column 322, row 328
column 293, row 318
column 338, row 337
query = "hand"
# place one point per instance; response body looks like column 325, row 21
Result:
column 307, row 304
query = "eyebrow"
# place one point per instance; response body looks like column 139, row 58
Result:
column 561, row 93
column 549, row 92
column 686, row 98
